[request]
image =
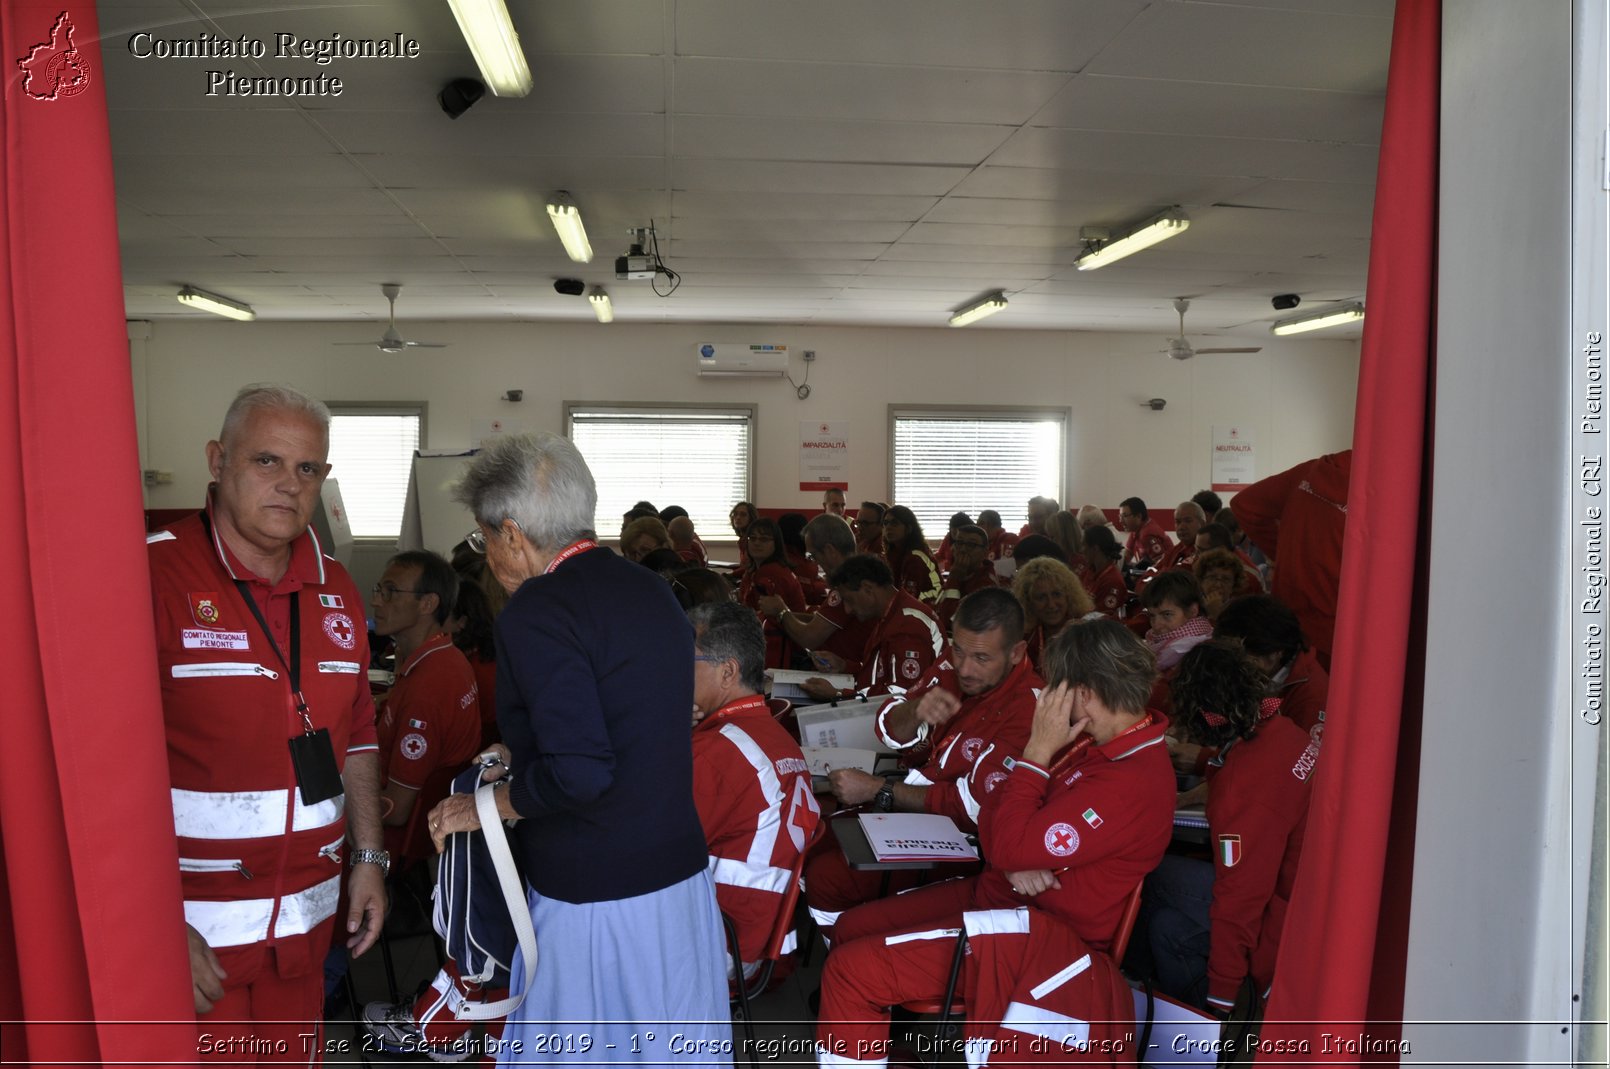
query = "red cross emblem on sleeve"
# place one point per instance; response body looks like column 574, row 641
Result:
column 338, row 625
column 1061, row 839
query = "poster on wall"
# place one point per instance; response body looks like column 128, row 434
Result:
column 1235, row 459
column 824, row 455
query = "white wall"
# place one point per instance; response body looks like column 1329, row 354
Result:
column 1296, row 395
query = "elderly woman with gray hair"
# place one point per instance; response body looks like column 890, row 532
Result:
column 595, row 680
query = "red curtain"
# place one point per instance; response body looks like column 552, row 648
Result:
column 1343, row 950
column 92, row 949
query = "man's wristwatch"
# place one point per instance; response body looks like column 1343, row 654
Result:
column 883, row 801
column 373, row 857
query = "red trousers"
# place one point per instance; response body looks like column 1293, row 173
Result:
column 264, row 1017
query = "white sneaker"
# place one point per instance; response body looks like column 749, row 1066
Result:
column 394, row 1028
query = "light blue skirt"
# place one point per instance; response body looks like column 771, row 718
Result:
column 639, row 982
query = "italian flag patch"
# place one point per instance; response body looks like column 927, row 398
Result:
column 1092, row 818
column 1230, row 850
column 331, row 601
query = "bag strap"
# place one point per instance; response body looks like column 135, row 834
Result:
column 497, row 845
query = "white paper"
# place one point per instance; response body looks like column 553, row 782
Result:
column 846, row 725
column 787, row 683
column 915, row 837
column 824, row 759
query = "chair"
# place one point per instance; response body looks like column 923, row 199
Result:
column 741, row 990
column 782, row 711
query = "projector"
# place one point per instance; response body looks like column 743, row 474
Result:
column 634, row 265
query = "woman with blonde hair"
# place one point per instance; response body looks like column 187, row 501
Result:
column 1063, row 529
column 1052, row 597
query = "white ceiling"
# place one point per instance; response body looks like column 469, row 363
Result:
column 874, row 162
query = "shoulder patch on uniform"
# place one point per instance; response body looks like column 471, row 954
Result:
column 160, row 536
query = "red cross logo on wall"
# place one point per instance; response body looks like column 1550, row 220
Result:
column 1061, row 839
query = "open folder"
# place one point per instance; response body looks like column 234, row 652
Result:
column 787, row 683
column 916, row 837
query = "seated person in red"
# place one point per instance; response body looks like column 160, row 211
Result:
column 1067, row 833
column 833, row 502
column 1242, row 545
column 686, row 541
column 1040, row 509
column 1218, row 572
column 828, row 628
column 1063, row 529
column 1217, row 536
column 907, row 552
column 905, row 636
column 750, row 781
column 769, row 571
column 471, row 627
column 978, row 700
column 1173, row 604
column 643, row 536
column 942, row 555
column 1257, row 809
column 970, row 572
column 811, row 580
column 868, row 525
column 1107, row 590
column 1091, row 517
column 1147, row 544
column 431, row 719
column 1188, row 520
column 1001, row 540
column 1052, row 598
column 742, row 515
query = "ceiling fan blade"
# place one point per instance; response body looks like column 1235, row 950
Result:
column 368, row 343
column 1248, row 349
column 426, row 344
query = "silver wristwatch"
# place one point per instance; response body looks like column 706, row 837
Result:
column 373, row 857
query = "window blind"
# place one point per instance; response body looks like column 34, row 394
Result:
column 967, row 462
column 697, row 458
column 371, row 454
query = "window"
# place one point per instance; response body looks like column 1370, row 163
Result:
column 699, row 457
column 948, row 460
column 372, row 453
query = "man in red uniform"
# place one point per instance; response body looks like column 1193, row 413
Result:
column 1001, row 540
column 750, row 781
column 970, row 571
column 432, row 717
column 828, row 627
column 1297, row 518
column 905, row 637
column 1067, row 833
column 270, row 729
column 685, row 541
column 833, row 503
column 1188, row 520
column 1147, row 544
column 977, row 701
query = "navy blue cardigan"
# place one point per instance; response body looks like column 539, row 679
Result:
column 594, row 693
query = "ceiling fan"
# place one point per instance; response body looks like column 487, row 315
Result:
column 1180, row 348
column 391, row 341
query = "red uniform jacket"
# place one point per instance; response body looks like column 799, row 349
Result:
column 996, row 722
column 778, row 579
column 1304, row 691
column 1148, row 544
column 958, row 587
column 942, row 555
column 1297, row 518
column 850, row 640
column 1180, row 555
column 257, row 864
column 903, row 643
column 1000, row 544
column 753, row 792
column 1101, row 821
column 1256, row 811
column 1109, row 593
column 811, row 581
column 917, row 574
column 695, row 553
column 432, row 716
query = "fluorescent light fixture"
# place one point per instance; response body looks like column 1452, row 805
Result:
column 1319, row 319
column 986, row 305
column 1159, row 228
column 602, row 308
column 211, row 302
column 489, row 32
column 567, row 221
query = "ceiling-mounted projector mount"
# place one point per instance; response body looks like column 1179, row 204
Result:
column 642, row 260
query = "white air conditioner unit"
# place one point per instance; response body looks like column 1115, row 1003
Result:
column 743, row 360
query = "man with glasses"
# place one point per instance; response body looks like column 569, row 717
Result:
column 970, row 571
column 431, row 718
column 868, row 525
column 270, row 729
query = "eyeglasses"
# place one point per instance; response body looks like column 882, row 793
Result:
column 866, row 523
column 387, row 591
column 476, row 540
column 969, row 545
column 761, row 536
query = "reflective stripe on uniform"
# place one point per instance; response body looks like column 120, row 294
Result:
column 996, row 921
column 725, row 870
column 247, row 814
column 302, row 912
column 913, row 937
column 245, row 920
column 1066, row 1032
column 1051, row 983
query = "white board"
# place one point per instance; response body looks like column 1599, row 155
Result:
column 431, row 518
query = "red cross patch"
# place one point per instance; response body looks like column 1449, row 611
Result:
column 413, row 746
column 1061, row 839
column 204, row 609
column 338, row 625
